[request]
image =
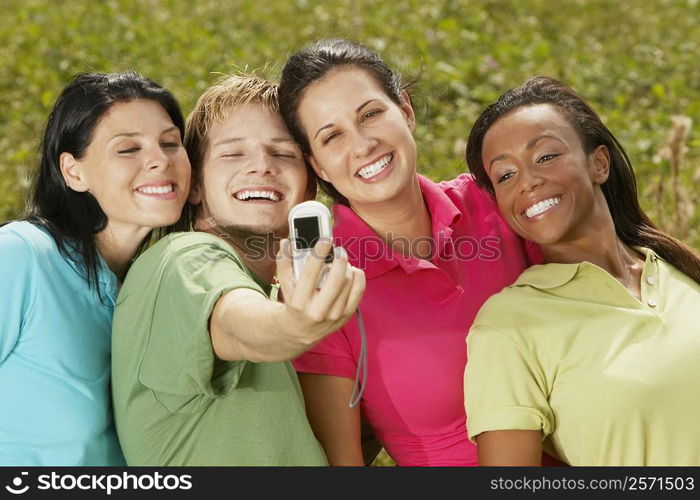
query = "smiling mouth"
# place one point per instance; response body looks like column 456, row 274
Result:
column 258, row 195
column 541, row 207
column 168, row 188
column 371, row 170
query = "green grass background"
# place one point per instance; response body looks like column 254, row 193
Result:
column 636, row 61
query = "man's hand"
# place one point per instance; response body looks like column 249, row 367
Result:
column 312, row 313
column 246, row 325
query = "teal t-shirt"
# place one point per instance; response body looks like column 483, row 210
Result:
column 175, row 402
column 55, row 342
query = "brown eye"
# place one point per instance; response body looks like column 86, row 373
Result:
column 505, row 177
column 547, row 157
column 371, row 114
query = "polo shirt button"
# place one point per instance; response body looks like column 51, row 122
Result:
column 651, row 280
column 651, row 302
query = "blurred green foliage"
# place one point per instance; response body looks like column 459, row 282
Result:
column 635, row 61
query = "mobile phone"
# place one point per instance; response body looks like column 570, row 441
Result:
column 309, row 222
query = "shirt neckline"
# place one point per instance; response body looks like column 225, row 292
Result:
column 372, row 254
column 554, row 275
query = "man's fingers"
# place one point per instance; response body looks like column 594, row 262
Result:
column 332, row 287
column 285, row 272
column 310, row 272
column 338, row 308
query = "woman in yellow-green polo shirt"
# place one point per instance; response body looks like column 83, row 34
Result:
column 594, row 355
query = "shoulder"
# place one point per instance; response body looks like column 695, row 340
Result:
column 499, row 309
column 179, row 242
column 23, row 234
column 479, row 216
column 508, row 309
column 460, row 183
column 183, row 248
column 471, row 200
column 464, row 187
column 521, row 306
column 195, row 262
column 22, row 264
column 25, row 242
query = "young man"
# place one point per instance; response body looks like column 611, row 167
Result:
column 201, row 350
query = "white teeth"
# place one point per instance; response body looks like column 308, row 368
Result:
column 246, row 195
column 156, row 189
column 374, row 168
column 541, row 207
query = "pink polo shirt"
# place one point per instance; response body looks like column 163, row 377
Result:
column 417, row 314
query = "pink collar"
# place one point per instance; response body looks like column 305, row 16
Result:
column 368, row 251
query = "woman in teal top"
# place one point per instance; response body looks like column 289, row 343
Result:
column 112, row 168
column 592, row 356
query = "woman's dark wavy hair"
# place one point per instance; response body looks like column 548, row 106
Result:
column 313, row 63
column 74, row 218
column 632, row 225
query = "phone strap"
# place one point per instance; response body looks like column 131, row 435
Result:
column 360, row 382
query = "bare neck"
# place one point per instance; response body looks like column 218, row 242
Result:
column 606, row 250
column 403, row 222
column 118, row 246
column 259, row 258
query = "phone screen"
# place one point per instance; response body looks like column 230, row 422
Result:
column 306, row 232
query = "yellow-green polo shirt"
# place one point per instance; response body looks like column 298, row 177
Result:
column 607, row 378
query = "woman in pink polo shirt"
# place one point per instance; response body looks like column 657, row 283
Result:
column 432, row 254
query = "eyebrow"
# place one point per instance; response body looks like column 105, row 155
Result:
column 135, row 134
column 357, row 110
column 529, row 145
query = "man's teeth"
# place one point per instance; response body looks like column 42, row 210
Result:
column 374, row 168
column 268, row 195
column 156, row 189
column 541, row 207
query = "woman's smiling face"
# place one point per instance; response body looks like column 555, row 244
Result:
column 361, row 141
column 135, row 166
column 546, row 185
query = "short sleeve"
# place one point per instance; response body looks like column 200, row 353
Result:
column 179, row 363
column 332, row 356
column 17, row 289
column 504, row 387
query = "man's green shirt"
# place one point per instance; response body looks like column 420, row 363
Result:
column 175, row 402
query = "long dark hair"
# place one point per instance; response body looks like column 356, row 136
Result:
column 74, row 218
column 314, row 62
column 632, row 225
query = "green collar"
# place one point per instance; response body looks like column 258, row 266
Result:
column 546, row 276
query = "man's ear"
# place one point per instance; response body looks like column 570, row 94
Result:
column 407, row 109
column 600, row 165
column 73, row 172
column 319, row 171
column 195, row 196
column 311, row 184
